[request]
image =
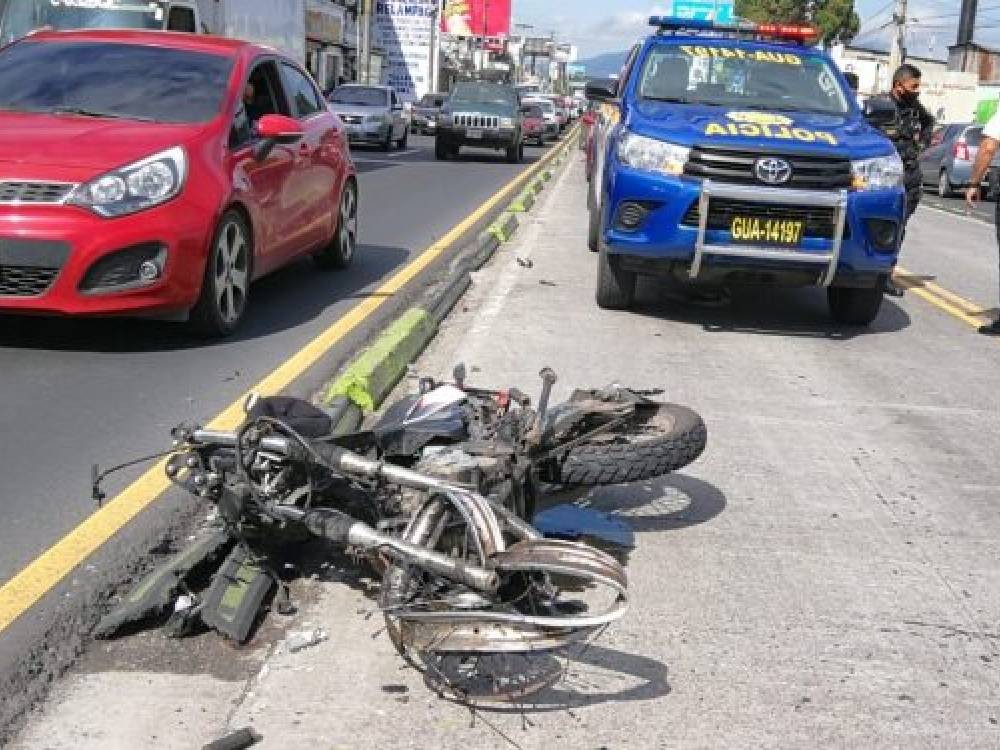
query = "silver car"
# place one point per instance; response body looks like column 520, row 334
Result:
column 371, row 114
column 947, row 162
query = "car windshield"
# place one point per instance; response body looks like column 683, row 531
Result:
column 533, row 111
column 744, row 77
column 545, row 106
column 361, row 96
column 485, row 93
column 18, row 17
column 430, row 100
column 126, row 81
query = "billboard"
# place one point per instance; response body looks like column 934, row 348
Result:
column 403, row 30
column 705, row 10
column 476, row 17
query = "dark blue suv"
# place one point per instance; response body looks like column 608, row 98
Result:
column 738, row 154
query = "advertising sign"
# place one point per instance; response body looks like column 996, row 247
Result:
column 403, row 30
column 705, row 10
column 476, row 17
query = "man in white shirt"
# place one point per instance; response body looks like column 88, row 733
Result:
column 987, row 150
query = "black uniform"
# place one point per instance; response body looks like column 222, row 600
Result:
column 911, row 134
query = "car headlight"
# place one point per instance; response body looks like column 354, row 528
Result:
column 506, row 122
column 136, row 187
column 651, row 155
column 879, row 173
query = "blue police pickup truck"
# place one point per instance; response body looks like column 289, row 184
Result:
column 738, row 154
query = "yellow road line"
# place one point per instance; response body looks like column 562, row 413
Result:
column 941, row 298
column 22, row 591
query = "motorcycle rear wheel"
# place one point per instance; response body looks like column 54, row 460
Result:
column 658, row 440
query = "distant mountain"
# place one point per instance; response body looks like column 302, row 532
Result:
column 604, row 65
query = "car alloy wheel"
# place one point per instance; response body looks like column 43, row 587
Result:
column 343, row 246
column 232, row 273
column 225, row 287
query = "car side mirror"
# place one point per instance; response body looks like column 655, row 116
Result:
column 880, row 112
column 272, row 130
column 602, row 89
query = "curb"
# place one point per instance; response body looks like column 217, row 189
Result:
column 370, row 377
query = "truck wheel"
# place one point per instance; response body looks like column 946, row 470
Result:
column 854, row 307
column 386, row 145
column 593, row 225
column 405, row 139
column 615, row 287
column 514, row 154
column 441, row 151
column 945, row 188
column 654, row 443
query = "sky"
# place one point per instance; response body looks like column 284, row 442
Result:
column 599, row 26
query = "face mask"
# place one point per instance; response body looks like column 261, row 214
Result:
column 909, row 97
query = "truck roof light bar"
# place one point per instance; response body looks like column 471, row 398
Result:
column 801, row 34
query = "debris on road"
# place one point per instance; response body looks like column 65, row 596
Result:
column 300, row 640
column 238, row 740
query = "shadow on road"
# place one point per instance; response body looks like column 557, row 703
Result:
column 766, row 311
column 281, row 301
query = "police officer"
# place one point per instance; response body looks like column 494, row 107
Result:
column 915, row 126
column 987, row 150
column 911, row 134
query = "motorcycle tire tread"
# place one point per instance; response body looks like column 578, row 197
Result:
column 595, row 464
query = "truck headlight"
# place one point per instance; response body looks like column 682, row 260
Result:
column 506, row 122
column 136, row 187
column 879, row 173
column 651, row 155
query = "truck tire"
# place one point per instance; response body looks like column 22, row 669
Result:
column 854, row 307
column 666, row 440
column 593, row 225
column 515, row 153
column 386, row 145
column 615, row 287
column 441, row 150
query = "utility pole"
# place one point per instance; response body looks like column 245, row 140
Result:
column 436, row 48
column 967, row 28
column 898, row 54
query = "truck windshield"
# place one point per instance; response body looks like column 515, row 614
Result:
column 18, row 17
column 122, row 81
column 745, row 77
column 486, row 93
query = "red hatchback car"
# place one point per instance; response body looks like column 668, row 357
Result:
column 158, row 174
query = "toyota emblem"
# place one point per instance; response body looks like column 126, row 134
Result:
column 772, row 171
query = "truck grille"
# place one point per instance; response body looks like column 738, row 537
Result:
column 477, row 121
column 819, row 221
column 34, row 192
column 737, row 167
column 25, row 281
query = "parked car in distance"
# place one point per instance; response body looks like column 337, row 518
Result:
column 425, row 113
column 562, row 114
column 548, row 116
column 480, row 114
column 947, row 162
column 533, row 124
column 371, row 114
column 158, row 174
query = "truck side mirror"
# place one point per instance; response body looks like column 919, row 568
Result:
column 880, row 112
column 602, row 89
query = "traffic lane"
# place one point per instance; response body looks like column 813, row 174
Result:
column 79, row 392
column 984, row 210
column 956, row 253
column 845, row 507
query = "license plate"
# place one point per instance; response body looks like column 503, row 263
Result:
column 767, row 231
column 475, row 134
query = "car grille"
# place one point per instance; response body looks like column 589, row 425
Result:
column 737, row 167
column 477, row 121
column 352, row 119
column 34, row 192
column 25, row 281
column 819, row 221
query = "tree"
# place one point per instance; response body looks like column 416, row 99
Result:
column 836, row 19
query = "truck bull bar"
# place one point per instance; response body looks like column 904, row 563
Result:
column 835, row 200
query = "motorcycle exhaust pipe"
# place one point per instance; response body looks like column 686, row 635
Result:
column 343, row 530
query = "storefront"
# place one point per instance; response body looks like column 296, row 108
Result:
column 328, row 54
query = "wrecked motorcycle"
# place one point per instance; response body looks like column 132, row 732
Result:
column 438, row 495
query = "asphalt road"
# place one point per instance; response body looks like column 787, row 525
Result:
column 984, row 210
column 79, row 392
